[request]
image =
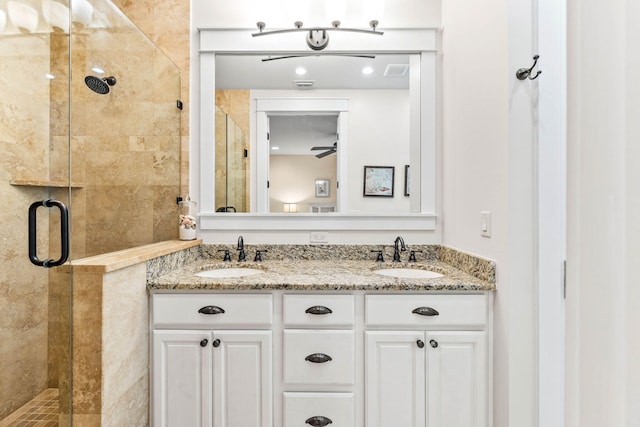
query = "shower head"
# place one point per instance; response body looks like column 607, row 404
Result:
column 100, row 85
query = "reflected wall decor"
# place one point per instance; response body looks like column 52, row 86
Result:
column 322, row 188
column 378, row 181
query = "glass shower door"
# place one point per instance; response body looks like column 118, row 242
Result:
column 35, row 301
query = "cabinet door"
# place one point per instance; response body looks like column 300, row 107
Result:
column 181, row 378
column 458, row 394
column 395, row 379
column 242, row 393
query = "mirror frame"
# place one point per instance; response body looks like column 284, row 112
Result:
column 421, row 43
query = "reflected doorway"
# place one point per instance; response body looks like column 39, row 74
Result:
column 303, row 153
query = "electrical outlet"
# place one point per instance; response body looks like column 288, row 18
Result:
column 319, row 237
column 485, row 224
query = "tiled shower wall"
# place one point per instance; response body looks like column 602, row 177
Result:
column 129, row 149
column 232, row 168
column 24, row 130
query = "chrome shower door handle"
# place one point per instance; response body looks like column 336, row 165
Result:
column 33, row 233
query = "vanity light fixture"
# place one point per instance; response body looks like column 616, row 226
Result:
column 317, row 37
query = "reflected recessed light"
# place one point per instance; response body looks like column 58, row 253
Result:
column 301, row 71
column 275, row 148
column 49, row 76
column 98, row 70
column 367, row 70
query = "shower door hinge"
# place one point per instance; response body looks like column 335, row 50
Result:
column 179, row 104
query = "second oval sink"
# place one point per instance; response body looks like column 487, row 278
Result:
column 223, row 273
column 408, row 273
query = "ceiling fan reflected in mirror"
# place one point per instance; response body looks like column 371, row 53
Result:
column 329, row 150
column 348, row 55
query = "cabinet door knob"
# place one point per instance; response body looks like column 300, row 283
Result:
column 204, row 342
column 434, row 343
column 318, row 358
column 216, row 343
column 426, row 311
column 318, row 421
column 420, row 344
column 318, row 309
column 211, row 309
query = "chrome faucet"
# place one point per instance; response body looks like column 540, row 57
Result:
column 242, row 256
column 396, row 252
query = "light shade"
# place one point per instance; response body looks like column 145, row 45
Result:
column 23, row 16
column 82, row 12
column 291, row 207
column 56, row 14
column 373, row 9
column 336, row 10
column 298, row 10
column 3, row 20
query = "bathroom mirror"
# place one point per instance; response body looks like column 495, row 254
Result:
column 406, row 139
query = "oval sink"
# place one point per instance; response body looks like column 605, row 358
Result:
column 408, row 273
column 222, row 273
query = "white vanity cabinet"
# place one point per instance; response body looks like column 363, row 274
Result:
column 427, row 361
column 212, row 360
column 318, row 360
column 313, row 358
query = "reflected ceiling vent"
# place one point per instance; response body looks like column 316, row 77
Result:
column 396, row 70
column 304, row 83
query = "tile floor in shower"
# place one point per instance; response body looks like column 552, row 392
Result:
column 41, row 411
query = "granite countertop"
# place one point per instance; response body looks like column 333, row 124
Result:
column 327, row 274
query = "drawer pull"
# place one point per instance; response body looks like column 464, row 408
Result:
column 211, row 309
column 420, row 344
column 426, row 311
column 204, row 342
column 216, row 343
column 434, row 343
column 318, row 421
column 318, row 309
column 318, row 358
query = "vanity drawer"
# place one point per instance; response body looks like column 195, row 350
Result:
column 441, row 311
column 212, row 310
column 301, row 408
column 318, row 357
column 318, row 310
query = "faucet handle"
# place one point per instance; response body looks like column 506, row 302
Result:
column 412, row 255
column 379, row 258
column 227, row 256
column 258, row 256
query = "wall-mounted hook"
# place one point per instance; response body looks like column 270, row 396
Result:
column 524, row 73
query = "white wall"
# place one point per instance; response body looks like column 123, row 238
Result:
column 292, row 179
column 489, row 165
column 603, row 247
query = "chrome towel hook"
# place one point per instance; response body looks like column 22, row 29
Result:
column 524, row 73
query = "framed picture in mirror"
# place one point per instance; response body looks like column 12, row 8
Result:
column 378, row 181
column 322, row 187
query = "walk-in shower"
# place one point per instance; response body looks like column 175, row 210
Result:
column 113, row 161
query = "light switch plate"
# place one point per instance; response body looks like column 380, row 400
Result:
column 319, row 237
column 485, row 224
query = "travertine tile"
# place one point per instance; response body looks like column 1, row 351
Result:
column 125, row 326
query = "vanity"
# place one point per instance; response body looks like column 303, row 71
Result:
column 323, row 335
